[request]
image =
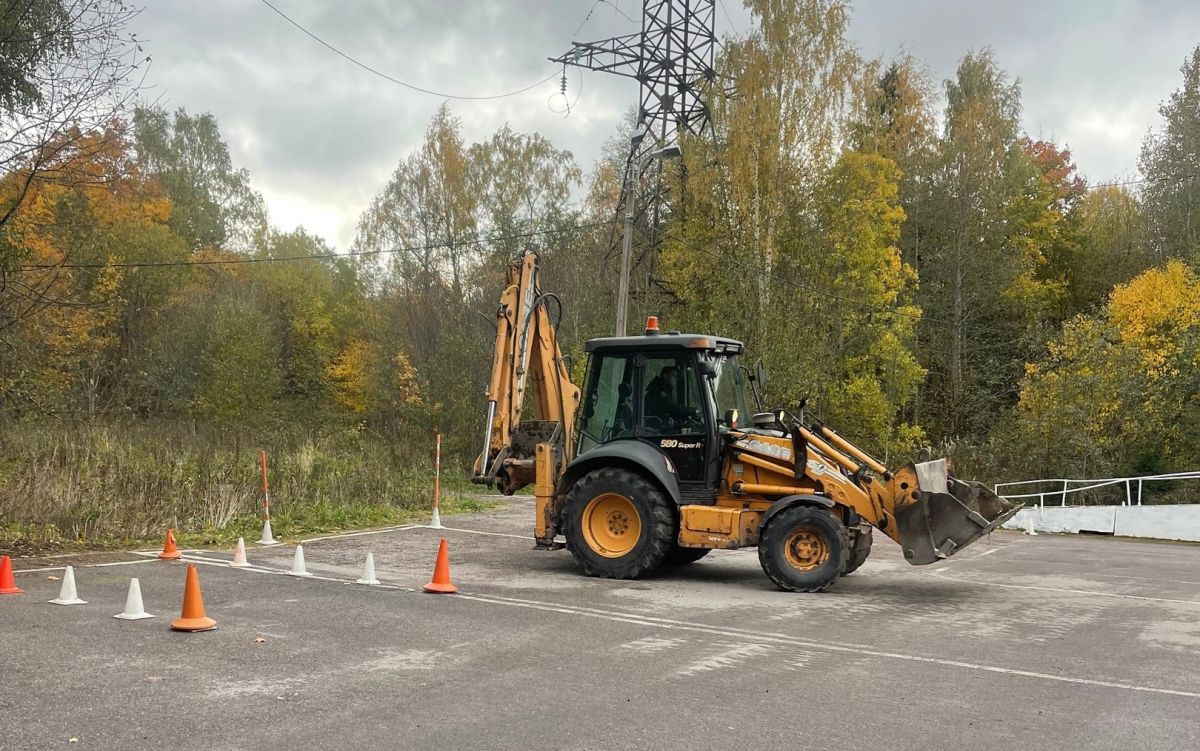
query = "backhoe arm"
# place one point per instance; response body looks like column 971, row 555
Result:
column 526, row 353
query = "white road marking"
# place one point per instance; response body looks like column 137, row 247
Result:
column 638, row 619
column 765, row 637
column 1145, row 578
column 82, row 565
column 528, row 538
column 1062, row 590
column 381, row 530
column 257, row 569
column 987, row 552
column 819, row 646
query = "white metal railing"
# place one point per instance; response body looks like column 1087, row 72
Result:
column 1085, row 485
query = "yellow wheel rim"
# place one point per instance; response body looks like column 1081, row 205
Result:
column 805, row 549
column 611, row 525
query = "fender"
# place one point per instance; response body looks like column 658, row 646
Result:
column 804, row 499
column 632, row 454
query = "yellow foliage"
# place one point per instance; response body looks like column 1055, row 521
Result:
column 408, row 388
column 1155, row 306
column 350, row 374
column 89, row 201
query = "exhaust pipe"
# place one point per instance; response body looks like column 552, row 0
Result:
column 945, row 514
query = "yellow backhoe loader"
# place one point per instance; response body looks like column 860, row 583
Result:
column 652, row 465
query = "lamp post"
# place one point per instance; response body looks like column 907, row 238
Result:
column 667, row 152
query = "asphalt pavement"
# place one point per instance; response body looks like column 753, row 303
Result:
column 1016, row 643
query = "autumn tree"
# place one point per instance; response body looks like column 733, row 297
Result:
column 1170, row 163
column 70, row 316
column 1117, row 393
column 968, row 262
column 213, row 205
column 864, row 317
column 67, row 68
column 443, row 224
column 1110, row 247
column 774, row 136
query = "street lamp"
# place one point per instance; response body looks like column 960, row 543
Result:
column 667, row 152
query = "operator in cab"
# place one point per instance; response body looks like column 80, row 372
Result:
column 660, row 397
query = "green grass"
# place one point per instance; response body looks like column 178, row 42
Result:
column 67, row 488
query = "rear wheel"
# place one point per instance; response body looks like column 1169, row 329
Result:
column 804, row 549
column 618, row 524
column 681, row 556
column 860, row 548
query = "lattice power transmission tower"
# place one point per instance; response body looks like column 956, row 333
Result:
column 671, row 58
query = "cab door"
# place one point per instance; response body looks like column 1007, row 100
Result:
column 673, row 415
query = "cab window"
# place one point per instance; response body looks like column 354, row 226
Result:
column 608, row 412
column 670, row 398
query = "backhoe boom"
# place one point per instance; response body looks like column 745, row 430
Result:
column 526, row 353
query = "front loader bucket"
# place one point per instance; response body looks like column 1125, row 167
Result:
column 947, row 514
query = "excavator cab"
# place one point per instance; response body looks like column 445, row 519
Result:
column 667, row 394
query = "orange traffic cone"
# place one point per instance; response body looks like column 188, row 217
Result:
column 192, row 618
column 8, row 586
column 169, row 551
column 441, row 572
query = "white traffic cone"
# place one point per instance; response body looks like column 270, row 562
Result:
column 267, row 538
column 1029, row 530
column 437, row 520
column 298, row 563
column 368, row 576
column 134, row 610
column 67, row 594
column 239, row 555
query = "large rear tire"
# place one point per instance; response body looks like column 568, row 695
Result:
column 860, row 548
column 804, row 549
column 618, row 525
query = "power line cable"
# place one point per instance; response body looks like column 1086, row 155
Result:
column 397, row 81
column 310, row 257
column 618, row 10
column 1172, row 178
column 727, row 16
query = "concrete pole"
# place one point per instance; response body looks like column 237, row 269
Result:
column 631, row 181
column 626, row 243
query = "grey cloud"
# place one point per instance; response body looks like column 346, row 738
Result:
column 320, row 136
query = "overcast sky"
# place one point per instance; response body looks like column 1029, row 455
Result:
column 320, row 136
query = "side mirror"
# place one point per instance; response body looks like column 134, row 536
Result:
column 760, row 374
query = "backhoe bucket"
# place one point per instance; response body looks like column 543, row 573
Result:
column 947, row 514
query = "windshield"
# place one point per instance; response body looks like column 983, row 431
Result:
column 728, row 389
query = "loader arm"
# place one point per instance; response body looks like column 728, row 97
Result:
column 930, row 513
column 526, row 356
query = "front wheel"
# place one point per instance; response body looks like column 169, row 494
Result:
column 618, row 525
column 860, row 548
column 803, row 549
